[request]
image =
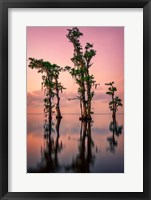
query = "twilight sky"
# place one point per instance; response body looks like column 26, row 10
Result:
column 51, row 44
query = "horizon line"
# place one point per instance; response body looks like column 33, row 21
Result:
column 76, row 114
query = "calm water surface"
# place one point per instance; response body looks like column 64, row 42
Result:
column 75, row 147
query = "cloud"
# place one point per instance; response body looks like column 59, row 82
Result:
column 99, row 103
column 35, row 98
column 67, row 98
column 101, row 96
column 68, row 95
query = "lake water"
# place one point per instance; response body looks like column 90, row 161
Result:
column 76, row 147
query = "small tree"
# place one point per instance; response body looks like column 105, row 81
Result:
column 52, row 87
column 115, row 100
column 80, row 71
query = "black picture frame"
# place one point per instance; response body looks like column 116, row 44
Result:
column 4, row 6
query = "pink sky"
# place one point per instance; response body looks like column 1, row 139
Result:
column 51, row 44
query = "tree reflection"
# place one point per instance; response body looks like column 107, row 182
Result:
column 52, row 147
column 85, row 157
column 116, row 131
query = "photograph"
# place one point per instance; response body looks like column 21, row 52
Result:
column 75, row 99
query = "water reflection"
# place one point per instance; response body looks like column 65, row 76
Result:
column 68, row 145
column 116, row 130
column 52, row 147
column 85, row 156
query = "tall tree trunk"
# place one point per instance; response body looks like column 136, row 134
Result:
column 58, row 126
column 83, row 101
column 81, row 107
column 89, row 100
column 114, row 116
column 50, row 111
column 58, row 101
column 84, row 111
column 82, row 85
column 88, row 96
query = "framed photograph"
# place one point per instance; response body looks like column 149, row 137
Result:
column 75, row 99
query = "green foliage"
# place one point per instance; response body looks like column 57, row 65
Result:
column 82, row 62
column 50, row 82
column 115, row 100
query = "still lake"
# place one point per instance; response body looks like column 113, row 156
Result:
column 75, row 147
